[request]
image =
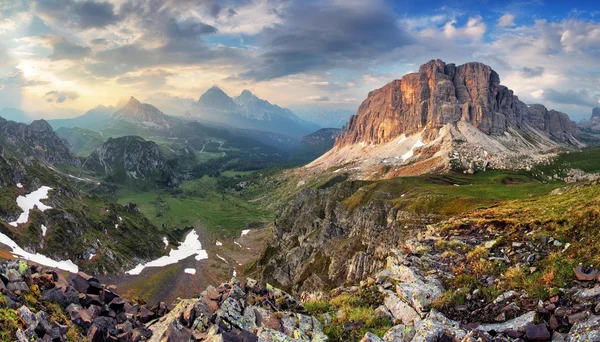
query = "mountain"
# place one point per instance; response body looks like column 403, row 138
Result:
column 142, row 114
column 100, row 115
column 169, row 104
column 16, row 115
column 324, row 117
column 594, row 122
column 130, row 159
column 36, row 140
column 314, row 145
column 82, row 141
column 447, row 116
column 248, row 112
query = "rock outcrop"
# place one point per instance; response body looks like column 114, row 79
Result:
column 41, row 304
column 441, row 94
column 143, row 114
column 130, row 158
column 36, row 140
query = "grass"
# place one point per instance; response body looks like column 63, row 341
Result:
column 451, row 194
column 356, row 308
column 147, row 287
column 199, row 202
column 9, row 323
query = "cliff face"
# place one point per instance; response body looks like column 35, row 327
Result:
column 443, row 93
column 36, row 140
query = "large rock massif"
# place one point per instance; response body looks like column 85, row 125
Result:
column 447, row 116
column 443, row 93
column 36, row 140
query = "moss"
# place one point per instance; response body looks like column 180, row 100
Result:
column 9, row 324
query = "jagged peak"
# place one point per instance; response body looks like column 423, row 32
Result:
column 596, row 112
column 133, row 102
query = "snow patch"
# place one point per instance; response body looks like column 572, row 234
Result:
column 19, row 185
column 234, row 273
column 190, row 271
column 410, row 153
column 237, row 243
column 66, row 265
column 44, row 230
column 245, row 232
column 91, row 256
column 117, row 226
column 30, row 201
column 191, row 246
column 219, row 243
column 166, row 241
column 220, row 257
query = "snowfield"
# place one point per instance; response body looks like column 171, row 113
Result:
column 191, row 246
column 30, row 201
column 66, row 265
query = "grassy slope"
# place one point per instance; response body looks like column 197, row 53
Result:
column 83, row 141
column 222, row 212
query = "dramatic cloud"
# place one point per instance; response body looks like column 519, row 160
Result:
column 63, row 49
column 19, row 80
column 507, row 20
column 84, row 14
column 60, row 96
column 154, row 78
column 575, row 97
column 314, row 38
column 532, row 72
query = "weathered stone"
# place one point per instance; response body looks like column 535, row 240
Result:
column 537, row 332
column 518, row 323
column 585, row 273
column 587, row 294
column 370, row 337
column 420, row 294
column 435, row 326
column 400, row 310
column 101, row 330
column 585, row 331
column 399, row 333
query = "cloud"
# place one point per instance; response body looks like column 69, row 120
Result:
column 60, row 96
column 18, row 79
column 532, row 72
column 63, row 49
column 474, row 30
column 153, row 78
column 318, row 98
column 507, row 20
column 572, row 97
column 82, row 14
column 316, row 38
column 189, row 28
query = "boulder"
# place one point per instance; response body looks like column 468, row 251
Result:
column 399, row 333
column 400, row 310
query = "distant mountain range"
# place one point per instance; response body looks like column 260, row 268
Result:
column 247, row 111
column 325, row 117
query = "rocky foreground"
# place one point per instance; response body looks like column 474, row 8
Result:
column 42, row 305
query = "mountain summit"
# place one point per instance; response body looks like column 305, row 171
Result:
column 447, row 113
column 142, row 113
column 247, row 111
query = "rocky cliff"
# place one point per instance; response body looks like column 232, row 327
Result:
column 36, row 140
column 442, row 93
column 130, row 158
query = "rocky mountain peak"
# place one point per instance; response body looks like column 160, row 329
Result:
column 40, row 126
column 439, row 94
column 596, row 112
column 142, row 113
column 215, row 98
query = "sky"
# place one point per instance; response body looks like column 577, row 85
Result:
column 62, row 57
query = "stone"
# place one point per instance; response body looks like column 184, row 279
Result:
column 370, row 337
column 588, row 330
column 578, row 317
column 518, row 323
column 79, row 316
column 537, row 332
column 400, row 310
column 102, row 328
column 587, row 294
column 585, row 273
column 399, row 333
column 435, row 326
column 420, row 294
